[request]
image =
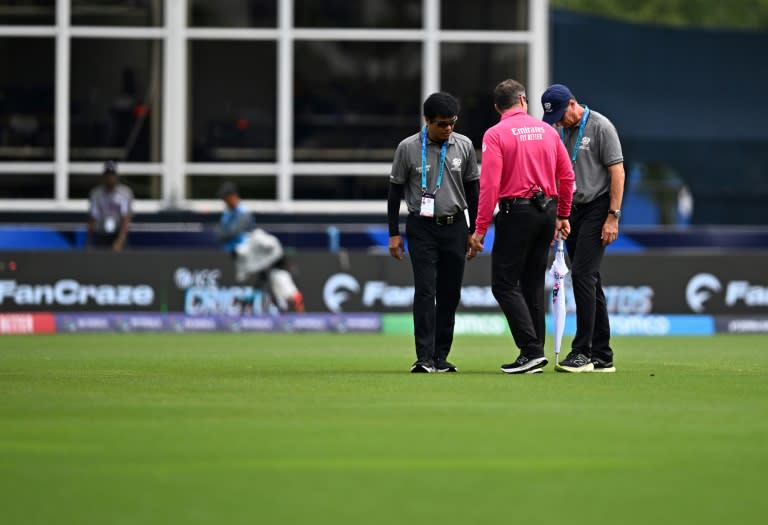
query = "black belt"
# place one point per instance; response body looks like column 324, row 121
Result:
column 443, row 220
column 505, row 204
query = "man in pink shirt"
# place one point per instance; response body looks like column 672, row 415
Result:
column 527, row 173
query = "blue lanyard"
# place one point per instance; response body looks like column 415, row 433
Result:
column 582, row 125
column 443, row 151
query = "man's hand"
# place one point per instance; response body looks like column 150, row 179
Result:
column 396, row 248
column 476, row 242
column 562, row 229
column 610, row 230
column 471, row 252
column 118, row 244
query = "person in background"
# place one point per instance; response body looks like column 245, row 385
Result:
column 527, row 173
column 110, row 211
column 595, row 151
column 435, row 170
column 256, row 252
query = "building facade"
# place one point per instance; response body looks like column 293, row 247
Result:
column 300, row 102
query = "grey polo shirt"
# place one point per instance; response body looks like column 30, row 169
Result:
column 600, row 148
column 460, row 167
column 107, row 208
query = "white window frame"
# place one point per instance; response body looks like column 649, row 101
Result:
column 174, row 167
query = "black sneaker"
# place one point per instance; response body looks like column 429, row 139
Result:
column 606, row 367
column 422, row 367
column 575, row 362
column 525, row 365
column 445, row 366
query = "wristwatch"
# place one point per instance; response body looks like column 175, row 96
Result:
column 615, row 213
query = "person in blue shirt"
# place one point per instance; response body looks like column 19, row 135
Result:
column 256, row 252
column 236, row 221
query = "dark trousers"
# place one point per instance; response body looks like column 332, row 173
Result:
column 586, row 250
column 519, row 261
column 438, row 254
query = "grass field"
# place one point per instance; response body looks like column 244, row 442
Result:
column 265, row 429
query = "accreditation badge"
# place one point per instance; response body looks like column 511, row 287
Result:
column 110, row 224
column 427, row 205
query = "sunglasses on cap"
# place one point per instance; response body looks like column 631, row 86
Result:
column 445, row 123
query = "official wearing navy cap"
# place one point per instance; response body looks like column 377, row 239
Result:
column 595, row 152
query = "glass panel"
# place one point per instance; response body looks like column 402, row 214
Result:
column 345, row 187
column 143, row 186
column 27, row 12
column 26, row 98
column 233, row 13
column 115, row 100
column 26, row 186
column 117, row 12
column 471, row 71
column 494, row 15
column 256, row 187
column 355, row 101
column 233, row 101
column 358, row 13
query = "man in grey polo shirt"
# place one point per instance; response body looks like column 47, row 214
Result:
column 110, row 211
column 435, row 170
column 595, row 151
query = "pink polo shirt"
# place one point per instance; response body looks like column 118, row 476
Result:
column 521, row 152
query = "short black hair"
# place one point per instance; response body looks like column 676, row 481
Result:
column 227, row 188
column 441, row 103
column 508, row 93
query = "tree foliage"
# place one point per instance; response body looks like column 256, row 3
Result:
column 723, row 14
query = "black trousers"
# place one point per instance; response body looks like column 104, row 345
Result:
column 438, row 254
column 524, row 234
column 586, row 250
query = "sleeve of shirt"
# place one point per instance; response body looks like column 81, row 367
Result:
column 93, row 209
column 471, row 172
column 126, row 207
column 610, row 145
column 565, row 177
column 490, row 180
column 399, row 173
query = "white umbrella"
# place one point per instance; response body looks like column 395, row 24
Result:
column 558, row 272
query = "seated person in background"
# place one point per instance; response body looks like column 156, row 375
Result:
column 110, row 211
column 256, row 252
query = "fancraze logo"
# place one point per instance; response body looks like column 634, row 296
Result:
column 702, row 287
column 68, row 292
column 341, row 287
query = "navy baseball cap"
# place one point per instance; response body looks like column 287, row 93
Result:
column 555, row 101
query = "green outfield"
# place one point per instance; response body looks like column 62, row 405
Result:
column 229, row 429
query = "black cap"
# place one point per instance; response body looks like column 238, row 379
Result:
column 110, row 168
column 228, row 188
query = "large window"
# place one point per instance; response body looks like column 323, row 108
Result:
column 27, row 12
column 232, row 103
column 502, row 15
column 115, row 100
column 358, row 13
column 117, row 12
column 233, row 13
column 26, row 99
column 354, row 101
column 297, row 101
column 471, row 71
